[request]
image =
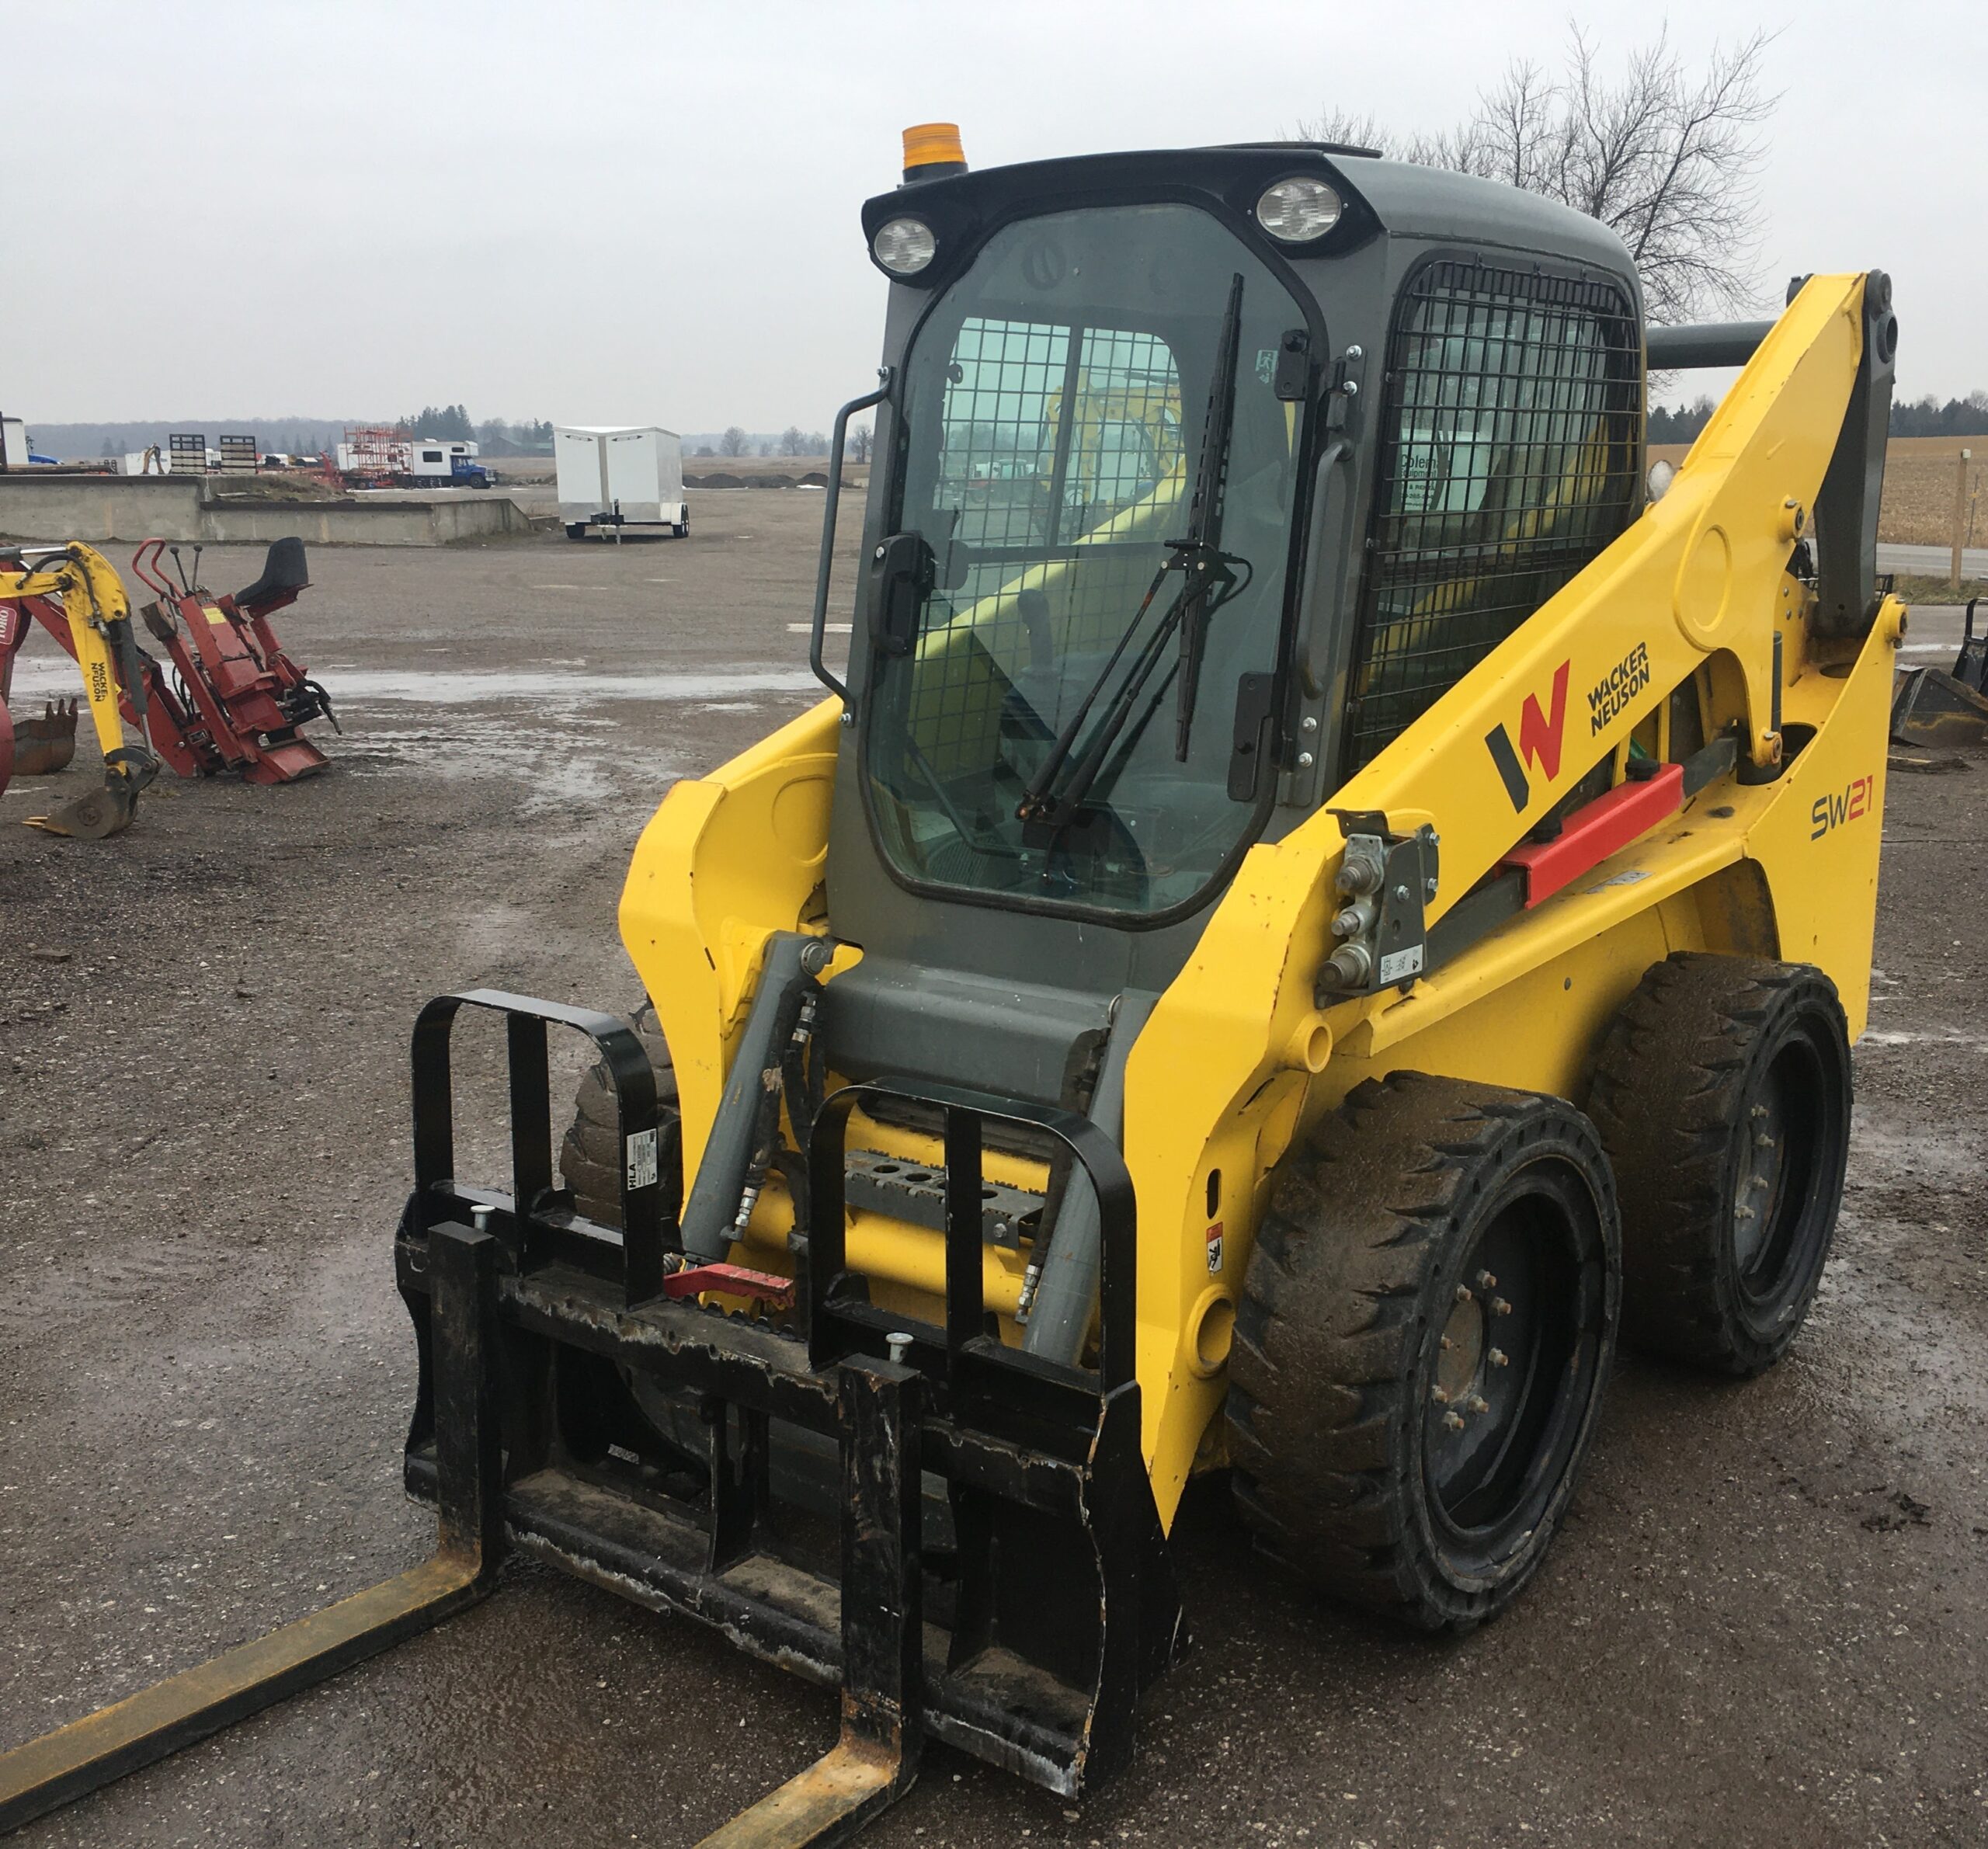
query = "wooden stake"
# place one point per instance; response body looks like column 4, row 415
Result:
column 1960, row 514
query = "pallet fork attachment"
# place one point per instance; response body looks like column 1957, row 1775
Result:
column 1026, row 1638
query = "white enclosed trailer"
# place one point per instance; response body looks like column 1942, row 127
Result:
column 620, row 477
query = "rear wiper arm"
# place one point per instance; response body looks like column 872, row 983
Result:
column 1209, row 581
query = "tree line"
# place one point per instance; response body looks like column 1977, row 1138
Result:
column 793, row 441
column 1925, row 417
column 496, row 437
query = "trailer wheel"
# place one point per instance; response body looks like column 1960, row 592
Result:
column 576, row 529
column 590, row 1158
column 1428, row 1321
column 1723, row 1093
column 682, row 528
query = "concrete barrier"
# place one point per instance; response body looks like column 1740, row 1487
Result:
column 198, row 510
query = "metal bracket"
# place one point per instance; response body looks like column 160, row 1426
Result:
column 1349, row 372
column 1384, row 883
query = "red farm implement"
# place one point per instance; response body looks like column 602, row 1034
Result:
column 234, row 699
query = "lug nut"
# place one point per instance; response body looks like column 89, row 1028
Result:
column 1486, row 1281
column 1500, row 1307
column 1440, row 1395
column 1758, row 1112
column 1463, row 1294
column 1742, row 1213
column 1763, row 1140
column 1477, row 1403
column 1451, row 1420
column 1447, row 1344
column 1499, row 1358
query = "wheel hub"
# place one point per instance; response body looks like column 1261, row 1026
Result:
column 1763, row 1168
column 1461, row 1356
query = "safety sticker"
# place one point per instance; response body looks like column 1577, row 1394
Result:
column 1215, row 1248
column 1628, row 877
column 641, row 1159
column 1399, row 965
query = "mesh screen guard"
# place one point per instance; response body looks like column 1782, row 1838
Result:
column 1510, row 435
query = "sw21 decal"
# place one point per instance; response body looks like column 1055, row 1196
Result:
column 1835, row 808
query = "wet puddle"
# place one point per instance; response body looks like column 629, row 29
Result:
column 468, row 686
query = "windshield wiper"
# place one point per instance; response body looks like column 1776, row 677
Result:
column 1209, row 583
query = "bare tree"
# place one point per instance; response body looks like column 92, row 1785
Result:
column 793, row 441
column 1666, row 157
column 857, row 447
column 733, row 442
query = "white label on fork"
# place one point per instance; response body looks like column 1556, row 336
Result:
column 641, row 1159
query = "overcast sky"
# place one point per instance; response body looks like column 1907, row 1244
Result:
column 603, row 213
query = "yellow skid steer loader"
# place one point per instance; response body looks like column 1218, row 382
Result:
column 1271, row 956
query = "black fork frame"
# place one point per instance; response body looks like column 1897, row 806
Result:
column 1057, row 1605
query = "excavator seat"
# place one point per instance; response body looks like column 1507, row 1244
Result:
column 285, row 569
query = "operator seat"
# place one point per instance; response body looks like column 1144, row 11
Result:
column 284, row 570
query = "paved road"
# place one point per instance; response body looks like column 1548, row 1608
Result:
column 1930, row 561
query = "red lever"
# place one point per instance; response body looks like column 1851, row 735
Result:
column 732, row 1280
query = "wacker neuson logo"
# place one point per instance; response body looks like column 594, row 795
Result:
column 1543, row 730
column 1617, row 688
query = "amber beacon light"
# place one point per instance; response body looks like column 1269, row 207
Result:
column 932, row 151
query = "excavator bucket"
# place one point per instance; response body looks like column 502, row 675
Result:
column 95, row 814
column 1932, row 706
column 107, row 810
column 45, row 745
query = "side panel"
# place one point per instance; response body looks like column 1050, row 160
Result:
column 726, row 860
column 1819, row 842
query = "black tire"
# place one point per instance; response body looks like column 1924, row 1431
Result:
column 576, row 529
column 1725, row 1235
column 590, row 1158
column 1385, row 1447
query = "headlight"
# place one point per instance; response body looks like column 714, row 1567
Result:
column 1295, row 211
column 904, row 246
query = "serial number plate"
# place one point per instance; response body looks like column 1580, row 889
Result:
column 642, row 1159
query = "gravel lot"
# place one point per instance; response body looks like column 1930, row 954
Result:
column 1766, row 1621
